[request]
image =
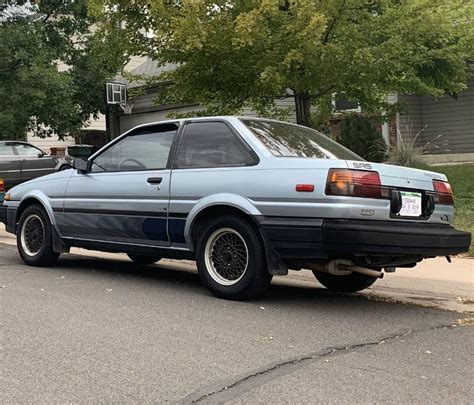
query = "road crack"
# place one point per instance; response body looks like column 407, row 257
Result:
column 232, row 389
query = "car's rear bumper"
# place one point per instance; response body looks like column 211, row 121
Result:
column 339, row 238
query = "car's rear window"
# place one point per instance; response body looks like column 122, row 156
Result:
column 283, row 139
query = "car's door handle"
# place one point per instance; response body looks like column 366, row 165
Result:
column 154, row 180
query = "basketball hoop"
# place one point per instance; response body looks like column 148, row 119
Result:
column 127, row 107
column 117, row 95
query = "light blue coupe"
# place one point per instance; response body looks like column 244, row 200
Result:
column 246, row 198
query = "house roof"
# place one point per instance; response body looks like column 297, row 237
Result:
column 148, row 68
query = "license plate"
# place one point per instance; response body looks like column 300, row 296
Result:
column 411, row 204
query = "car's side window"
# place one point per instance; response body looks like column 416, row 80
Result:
column 6, row 150
column 145, row 149
column 211, row 144
column 24, row 149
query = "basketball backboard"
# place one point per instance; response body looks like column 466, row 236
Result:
column 116, row 93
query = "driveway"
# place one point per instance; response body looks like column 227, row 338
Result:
column 104, row 329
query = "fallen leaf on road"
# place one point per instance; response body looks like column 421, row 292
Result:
column 466, row 300
column 465, row 321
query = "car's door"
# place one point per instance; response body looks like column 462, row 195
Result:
column 34, row 162
column 10, row 167
column 125, row 196
column 211, row 158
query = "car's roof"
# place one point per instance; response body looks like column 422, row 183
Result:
column 208, row 118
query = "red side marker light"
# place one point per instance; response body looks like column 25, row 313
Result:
column 305, row 188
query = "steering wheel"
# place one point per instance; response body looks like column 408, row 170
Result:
column 122, row 163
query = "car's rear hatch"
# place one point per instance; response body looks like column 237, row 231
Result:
column 400, row 177
column 414, row 194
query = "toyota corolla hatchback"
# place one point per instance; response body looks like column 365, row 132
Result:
column 246, row 198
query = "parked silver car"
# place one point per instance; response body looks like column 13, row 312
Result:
column 246, row 198
column 21, row 161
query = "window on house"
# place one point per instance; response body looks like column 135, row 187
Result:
column 342, row 104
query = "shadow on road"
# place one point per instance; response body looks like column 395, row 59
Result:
column 185, row 276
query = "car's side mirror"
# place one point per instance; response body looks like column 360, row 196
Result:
column 41, row 154
column 82, row 165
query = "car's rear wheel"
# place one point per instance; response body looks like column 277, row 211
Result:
column 143, row 259
column 34, row 237
column 349, row 283
column 231, row 259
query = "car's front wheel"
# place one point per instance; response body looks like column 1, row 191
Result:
column 143, row 259
column 231, row 259
column 348, row 283
column 34, row 237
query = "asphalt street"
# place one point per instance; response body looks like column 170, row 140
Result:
column 101, row 330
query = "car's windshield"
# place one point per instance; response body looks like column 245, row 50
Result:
column 283, row 139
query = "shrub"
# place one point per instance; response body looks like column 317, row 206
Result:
column 409, row 152
column 359, row 135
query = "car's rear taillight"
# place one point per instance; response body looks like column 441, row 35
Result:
column 354, row 183
column 2, row 185
column 444, row 193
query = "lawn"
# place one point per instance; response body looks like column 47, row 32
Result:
column 461, row 178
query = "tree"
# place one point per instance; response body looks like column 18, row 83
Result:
column 53, row 67
column 233, row 54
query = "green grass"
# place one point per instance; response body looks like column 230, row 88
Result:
column 461, row 178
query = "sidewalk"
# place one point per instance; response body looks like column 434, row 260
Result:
column 433, row 283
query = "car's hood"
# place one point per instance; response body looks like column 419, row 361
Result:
column 20, row 190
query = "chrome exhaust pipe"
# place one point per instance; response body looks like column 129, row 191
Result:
column 342, row 267
column 367, row 272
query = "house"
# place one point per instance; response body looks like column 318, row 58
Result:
column 446, row 124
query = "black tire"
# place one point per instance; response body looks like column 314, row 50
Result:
column 143, row 259
column 34, row 246
column 350, row 283
column 253, row 280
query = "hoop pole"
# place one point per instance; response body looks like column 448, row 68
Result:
column 107, row 116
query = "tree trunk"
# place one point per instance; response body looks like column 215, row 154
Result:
column 303, row 108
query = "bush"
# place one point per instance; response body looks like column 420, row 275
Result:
column 409, row 151
column 359, row 135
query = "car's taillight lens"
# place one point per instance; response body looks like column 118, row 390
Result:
column 354, row 183
column 444, row 193
column 2, row 185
